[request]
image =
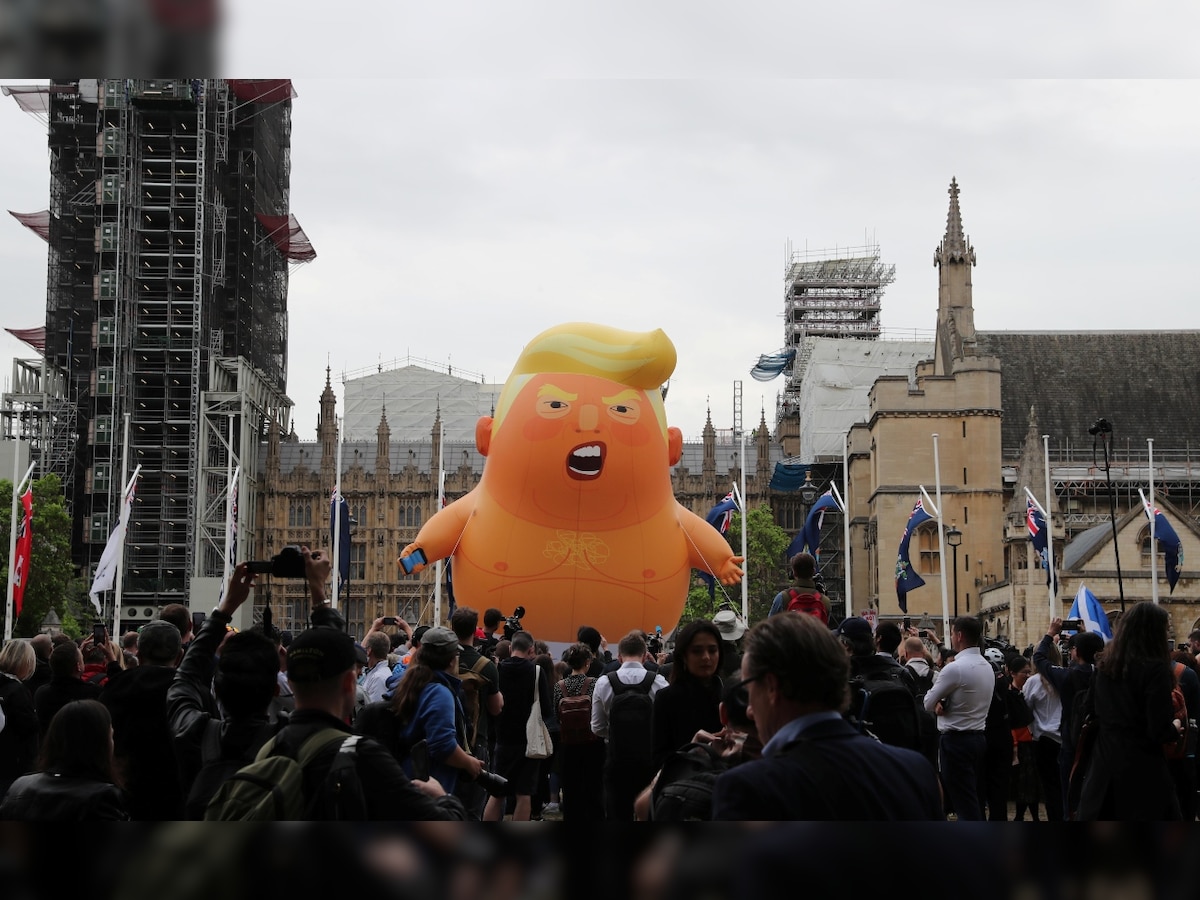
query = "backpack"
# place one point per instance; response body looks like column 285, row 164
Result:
column 272, row 787
column 684, row 787
column 882, row 706
column 629, row 722
column 575, row 715
column 919, row 684
column 473, row 684
column 216, row 768
column 1186, row 744
column 807, row 603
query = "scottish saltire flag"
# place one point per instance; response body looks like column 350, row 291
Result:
column 340, row 519
column 24, row 551
column 772, row 365
column 1087, row 608
column 1169, row 541
column 1036, row 524
column 907, row 579
column 719, row 517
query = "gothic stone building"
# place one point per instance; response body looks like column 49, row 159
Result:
column 984, row 402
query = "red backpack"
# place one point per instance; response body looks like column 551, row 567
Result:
column 807, row 603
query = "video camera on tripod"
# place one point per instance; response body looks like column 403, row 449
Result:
column 512, row 624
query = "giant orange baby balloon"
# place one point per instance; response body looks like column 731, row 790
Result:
column 574, row 518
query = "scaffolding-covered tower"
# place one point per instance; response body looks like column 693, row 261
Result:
column 170, row 241
column 827, row 294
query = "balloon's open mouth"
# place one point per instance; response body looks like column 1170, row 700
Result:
column 586, row 461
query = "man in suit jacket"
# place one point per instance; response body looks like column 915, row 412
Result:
column 815, row 766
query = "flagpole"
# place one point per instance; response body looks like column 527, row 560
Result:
column 846, row 515
column 437, row 583
column 12, row 538
column 1049, row 529
column 937, row 476
column 337, row 515
column 745, row 528
column 116, row 632
column 228, row 568
column 1153, row 545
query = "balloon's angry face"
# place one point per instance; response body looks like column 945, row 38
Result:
column 567, row 434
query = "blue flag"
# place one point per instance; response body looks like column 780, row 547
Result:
column 1036, row 524
column 343, row 542
column 812, row 525
column 1087, row 608
column 1169, row 541
column 719, row 517
column 907, row 579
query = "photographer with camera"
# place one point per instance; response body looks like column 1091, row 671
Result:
column 321, row 662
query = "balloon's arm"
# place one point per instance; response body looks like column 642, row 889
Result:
column 708, row 551
column 440, row 535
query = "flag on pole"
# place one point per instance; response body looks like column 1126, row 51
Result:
column 231, row 526
column 24, row 551
column 340, row 519
column 106, row 569
column 1036, row 523
column 907, row 579
column 1087, row 608
column 719, row 517
column 809, row 538
column 1169, row 541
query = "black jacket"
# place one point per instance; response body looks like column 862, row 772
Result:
column 19, row 738
column 137, row 699
column 190, row 708
column 45, row 797
column 52, row 697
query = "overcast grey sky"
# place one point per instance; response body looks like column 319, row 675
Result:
column 494, row 170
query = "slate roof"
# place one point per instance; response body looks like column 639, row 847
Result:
column 1146, row 383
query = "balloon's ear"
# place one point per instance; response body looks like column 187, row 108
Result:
column 674, row 445
column 483, row 434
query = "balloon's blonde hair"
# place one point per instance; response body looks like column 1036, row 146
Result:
column 637, row 359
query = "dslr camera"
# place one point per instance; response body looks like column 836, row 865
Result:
column 287, row 563
column 513, row 623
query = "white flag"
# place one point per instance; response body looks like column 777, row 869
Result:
column 106, row 570
column 231, row 522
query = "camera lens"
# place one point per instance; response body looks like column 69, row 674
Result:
column 496, row 785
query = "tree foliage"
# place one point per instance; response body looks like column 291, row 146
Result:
column 52, row 582
column 765, row 568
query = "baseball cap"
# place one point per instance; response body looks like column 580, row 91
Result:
column 855, row 628
column 320, row 653
column 441, row 638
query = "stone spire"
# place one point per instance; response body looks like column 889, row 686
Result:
column 383, row 445
column 709, row 435
column 954, row 258
column 763, row 445
column 436, row 433
column 327, row 432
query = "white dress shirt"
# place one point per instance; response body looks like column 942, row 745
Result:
column 966, row 684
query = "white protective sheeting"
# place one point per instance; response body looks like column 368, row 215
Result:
column 412, row 396
column 835, row 385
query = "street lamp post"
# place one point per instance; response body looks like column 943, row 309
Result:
column 954, row 538
column 1102, row 431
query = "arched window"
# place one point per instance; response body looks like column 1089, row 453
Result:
column 926, row 539
column 291, row 515
column 308, row 514
column 1143, row 542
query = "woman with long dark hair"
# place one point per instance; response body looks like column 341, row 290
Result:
column 426, row 706
column 1128, row 778
column 691, row 701
column 76, row 781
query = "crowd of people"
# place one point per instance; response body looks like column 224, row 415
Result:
column 791, row 719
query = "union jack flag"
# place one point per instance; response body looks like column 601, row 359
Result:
column 1036, row 523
